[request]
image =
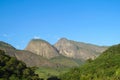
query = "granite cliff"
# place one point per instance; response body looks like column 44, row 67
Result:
column 42, row 48
column 79, row 50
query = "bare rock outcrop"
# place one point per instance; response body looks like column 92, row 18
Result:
column 42, row 48
column 78, row 50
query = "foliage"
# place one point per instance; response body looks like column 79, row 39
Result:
column 12, row 69
column 47, row 72
column 105, row 67
column 66, row 62
column 53, row 78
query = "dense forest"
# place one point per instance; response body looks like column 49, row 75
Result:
column 12, row 69
column 105, row 67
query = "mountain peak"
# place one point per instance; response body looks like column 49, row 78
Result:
column 42, row 48
column 38, row 40
column 63, row 39
column 78, row 50
column 6, row 45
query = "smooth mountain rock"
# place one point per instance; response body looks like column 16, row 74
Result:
column 42, row 48
column 78, row 50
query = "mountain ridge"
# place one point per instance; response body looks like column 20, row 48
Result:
column 76, row 49
column 49, row 55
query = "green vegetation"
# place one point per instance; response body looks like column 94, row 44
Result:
column 47, row 72
column 105, row 67
column 12, row 69
column 66, row 62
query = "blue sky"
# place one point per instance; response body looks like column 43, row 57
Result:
column 91, row 21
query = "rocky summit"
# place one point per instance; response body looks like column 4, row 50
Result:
column 42, row 48
column 78, row 50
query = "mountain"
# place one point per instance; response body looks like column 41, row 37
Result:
column 42, row 48
column 10, row 50
column 65, row 53
column 105, row 67
column 32, row 59
column 28, row 57
column 78, row 50
column 46, row 50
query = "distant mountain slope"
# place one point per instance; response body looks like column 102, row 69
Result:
column 105, row 67
column 33, row 59
column 42, row 48
column 10, row 50
column 29, row 58
column 78, row 50
column 65, row 53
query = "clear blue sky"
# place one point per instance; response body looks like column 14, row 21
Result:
column 91, row 21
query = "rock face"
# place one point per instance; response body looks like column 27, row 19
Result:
column 42, row 48
column 78, row 50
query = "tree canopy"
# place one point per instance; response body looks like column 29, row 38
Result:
column 13, row 69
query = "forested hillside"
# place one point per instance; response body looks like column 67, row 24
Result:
column 105, row 67
column 12, row 69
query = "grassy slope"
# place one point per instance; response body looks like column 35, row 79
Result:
column 45, row 72
column 66, row 62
